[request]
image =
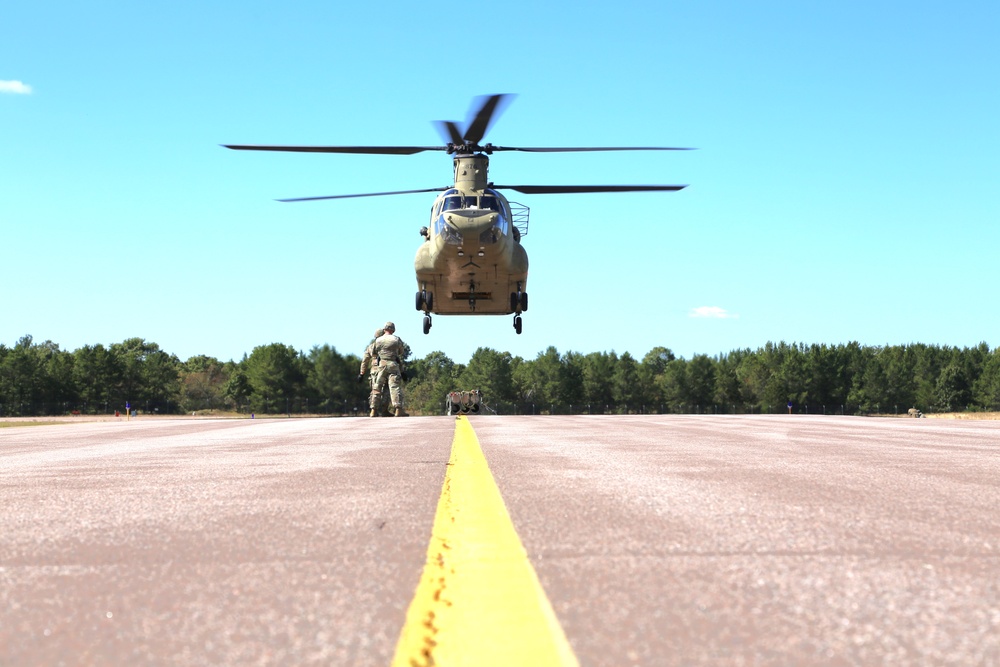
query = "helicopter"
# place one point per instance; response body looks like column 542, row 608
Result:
column 471, row 261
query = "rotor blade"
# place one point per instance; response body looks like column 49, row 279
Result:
column 576, row 149
column 487, row 111
column 449, row 130
column 578, row 189
column 367, row 194
column 374, row 150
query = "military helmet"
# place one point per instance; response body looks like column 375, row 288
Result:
column 389, row 327
column 379, row 332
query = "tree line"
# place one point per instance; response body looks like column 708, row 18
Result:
column 38, row 379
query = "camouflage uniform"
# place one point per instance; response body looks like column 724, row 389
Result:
column 369, row 364
column 388, row 349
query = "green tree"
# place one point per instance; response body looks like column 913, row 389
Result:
column 330, row 380
column 6, row 385
column 202, row 383
column 927, row 367
column 237, row 389
column 56, row 366
column 727, row 384
column 754, row 376
column 431, row 378
column 598, row 369
column 551, row 383
column 792, row 374
column 900, row 386
column 162, row 382
column 490, row 372
column 986, row 388
column 39, row 378
column 21, row 381
column 825, row 385
column 35, row 378
column 275, row 377
column 148, row 376
column 956, row 379
column 571, row 391
column 537, row 382
column 700, row 373
column 673, row 386
column 95, row 375
column 626, row 385
column 651, row 372
column 785, row 377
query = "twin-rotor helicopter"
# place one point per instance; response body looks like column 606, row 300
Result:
column 471, row 261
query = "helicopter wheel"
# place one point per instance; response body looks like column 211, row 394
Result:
column 518, row 300
column 517, row 324
column 427, row 324
column 425, row 300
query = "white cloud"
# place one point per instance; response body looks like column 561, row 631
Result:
column 15, row 87
column 712, row 312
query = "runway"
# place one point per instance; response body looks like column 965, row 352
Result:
column 657, row 540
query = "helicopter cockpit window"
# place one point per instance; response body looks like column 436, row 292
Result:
column 450, row 200
column 492, row 202
column 451, row 235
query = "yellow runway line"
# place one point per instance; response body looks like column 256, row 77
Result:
column 479, row 601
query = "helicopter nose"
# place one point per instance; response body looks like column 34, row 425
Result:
column 471, row 221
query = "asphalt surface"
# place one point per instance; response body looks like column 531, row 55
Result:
column 674, row 540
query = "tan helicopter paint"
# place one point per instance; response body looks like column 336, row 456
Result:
column 474, row 277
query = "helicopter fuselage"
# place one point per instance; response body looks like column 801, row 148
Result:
column 471, row 261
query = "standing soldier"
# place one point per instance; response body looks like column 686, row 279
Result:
column 369, row 364
column 388, row 350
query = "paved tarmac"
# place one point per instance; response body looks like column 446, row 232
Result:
column 671, row 540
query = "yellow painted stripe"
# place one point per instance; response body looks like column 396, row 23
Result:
column 479, row 601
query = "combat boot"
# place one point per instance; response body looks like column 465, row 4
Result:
column 401, row 413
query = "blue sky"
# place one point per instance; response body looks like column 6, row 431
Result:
column 844, row 187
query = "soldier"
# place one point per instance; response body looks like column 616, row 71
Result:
column 369, row 364
column 388, row 350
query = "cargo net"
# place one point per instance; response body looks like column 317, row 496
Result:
column 464, row 402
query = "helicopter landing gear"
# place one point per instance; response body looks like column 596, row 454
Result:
column 518, row 304
column 519, row 300
column 425, row 300
column 425, row 303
